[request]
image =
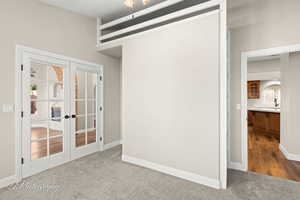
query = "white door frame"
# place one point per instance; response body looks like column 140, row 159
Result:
column 228, row 96
column 32, row 167
column 18, row 99
column 77, row 152
column 223, row 94
column 244, row 96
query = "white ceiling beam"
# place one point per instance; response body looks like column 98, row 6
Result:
column 164, row 18
column 140, row 13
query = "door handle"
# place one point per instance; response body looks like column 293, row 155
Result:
column 67, row 117
column 73, row 116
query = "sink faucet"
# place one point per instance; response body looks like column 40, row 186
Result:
column 276, row 102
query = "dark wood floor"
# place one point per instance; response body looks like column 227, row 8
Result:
column 266, row 158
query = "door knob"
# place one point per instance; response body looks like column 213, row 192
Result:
column 67, row 117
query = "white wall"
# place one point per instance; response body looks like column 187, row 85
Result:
column 37, row 25
column 264, row 76
column 264, row 66
column 171, row 96
column 290, row 135
column 264, row 70
column 273, row 23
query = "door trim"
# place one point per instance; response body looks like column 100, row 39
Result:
column 223, row 95
column 31, row 167
column 243, row 166
column 77, row 152
column 19, row 51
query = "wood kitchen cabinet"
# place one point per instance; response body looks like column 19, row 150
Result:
column 265, row 123
column 253, row 89
column 250, row 118
column 274, row 124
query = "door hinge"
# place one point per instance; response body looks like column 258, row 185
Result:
column 22, row 114
column 100, row 139
column 100, row 78
column 101, row 108
column 22, row 67
column 22, row 161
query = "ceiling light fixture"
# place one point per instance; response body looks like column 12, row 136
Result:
column 131, row 3
column 145, row 2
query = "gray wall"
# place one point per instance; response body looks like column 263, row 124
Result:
column 272, row 23
column 290, row 134
column 171, row 96
column 264, row 66
column 36, row 25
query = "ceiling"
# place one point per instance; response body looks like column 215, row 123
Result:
column 114, row 9
column 238, row 3
column 107, row 9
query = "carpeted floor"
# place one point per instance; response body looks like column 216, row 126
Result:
column 104, row 176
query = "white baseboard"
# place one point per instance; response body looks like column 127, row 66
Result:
column 289, row 156
column 112, row 144
column 4, row 182
column 174, row 172
column 236, row 166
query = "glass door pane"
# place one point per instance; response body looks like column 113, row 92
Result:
column 91, row 107
column 85, row 107
column 80, row 106
column 85, row 104
column 46, row 109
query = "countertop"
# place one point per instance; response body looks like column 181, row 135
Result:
column 264, row 109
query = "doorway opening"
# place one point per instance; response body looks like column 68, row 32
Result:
column 269, row 106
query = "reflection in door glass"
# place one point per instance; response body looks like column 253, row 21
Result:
column 54, row 130
column 38, row 90
column 91, row 85
column 38, row 71
column 85, row 106
column 46, row 109
column 56, row 74
column 56, row 110
column 91, row 136
column 80, row 107
column 55, row 82
column 80, row 139
column 91, row 106
column 91, row 122
column 39, row 131
column 39, row 149
column 80, row 123
column 39, row 110
column 80, row 85
column 56, row 145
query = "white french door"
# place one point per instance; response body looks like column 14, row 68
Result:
column 62, row 111
column 86, row 110
column 45, row 98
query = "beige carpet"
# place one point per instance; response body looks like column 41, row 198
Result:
column 104, row 176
